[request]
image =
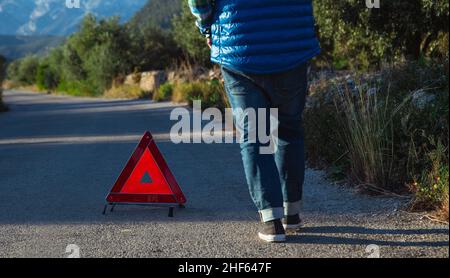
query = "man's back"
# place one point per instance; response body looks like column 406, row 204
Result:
column 263, row 36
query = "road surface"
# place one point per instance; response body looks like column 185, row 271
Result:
column 59, row 156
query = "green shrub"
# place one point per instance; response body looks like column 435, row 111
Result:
column 24, row 71
column 432, row 185
column 77, row 88
column 2, row 76
column 210, row 93
column 164, row 92
column 46, row 79
column 353, row 36
column 188, row 37
column 125, row 92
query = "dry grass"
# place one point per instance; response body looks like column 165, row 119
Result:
column 442, row 213
column 210, row 93
column 368, row 134
column 8, row 84
column 125, row 92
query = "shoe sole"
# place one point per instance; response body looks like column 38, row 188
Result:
column 290, row 227
column 272, row 238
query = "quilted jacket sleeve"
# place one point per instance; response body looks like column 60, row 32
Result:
column 203, row 11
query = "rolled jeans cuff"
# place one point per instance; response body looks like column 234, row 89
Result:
column 271, row 214
column 292, row 208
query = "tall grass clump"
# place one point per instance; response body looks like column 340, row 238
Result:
column 368, row 136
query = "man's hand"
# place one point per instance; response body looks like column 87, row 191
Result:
column 209, row 42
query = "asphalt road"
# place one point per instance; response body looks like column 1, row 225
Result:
column 59, row 156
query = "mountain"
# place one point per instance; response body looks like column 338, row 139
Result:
column 55, row 18
column 156, row 12
column 35, row 26
column 14, row 47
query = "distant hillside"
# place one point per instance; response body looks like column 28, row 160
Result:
column 13, row 47
column 53, row 17
column 156, row 12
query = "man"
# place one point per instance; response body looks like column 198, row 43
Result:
column 263, row 47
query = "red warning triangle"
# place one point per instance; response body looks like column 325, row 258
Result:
column 146, row 178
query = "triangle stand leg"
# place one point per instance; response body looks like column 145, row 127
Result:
column 104, row 209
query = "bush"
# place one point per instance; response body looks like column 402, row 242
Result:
column 2, row 69
column 164, row 92
column 153, row 48
column 46, row 79
column 77, row 88
column 24, row 71
column 431, row 187
column 210, row 93
column 188, row 37
column 2, row 77
column 383, row 131
column 125, row 92
column 353, row 36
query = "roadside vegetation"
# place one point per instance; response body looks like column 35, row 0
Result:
column 2, row 77
column 384, row 133
column 377, row 114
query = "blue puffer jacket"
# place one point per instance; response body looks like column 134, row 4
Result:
column 263, row 36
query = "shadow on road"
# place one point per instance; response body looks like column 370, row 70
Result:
column 359, row 236
column 371, row 231
column 335, row 240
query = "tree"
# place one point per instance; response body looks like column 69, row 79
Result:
column 153, row 48
column 97, row 53
column 188, row 37
column 26, row 70
column 403, row 28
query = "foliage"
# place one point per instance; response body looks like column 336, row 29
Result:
column 152, row 48
column 164, row 92
column 188, row 37
column 2, row 77
column 211, row 93
column 46, row 77
column 431, row 187
column 125, row 92
column 353, row 36
column 97, row 53
column 24, row 71
column 76, row 88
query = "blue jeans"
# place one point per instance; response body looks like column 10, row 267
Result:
column 276, row 179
